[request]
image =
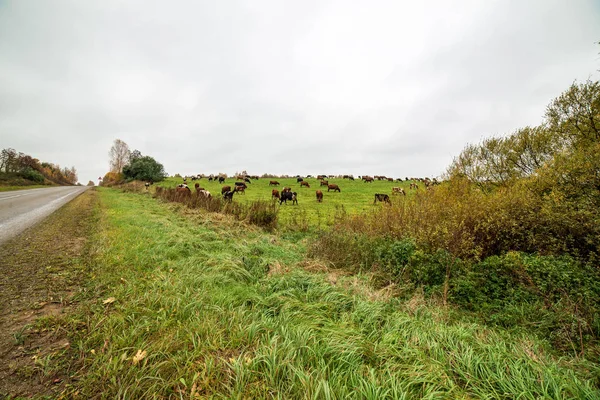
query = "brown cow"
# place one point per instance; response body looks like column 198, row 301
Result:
column 382, row 197
column 333, row 187
column 273, row 183
column 304, row 184
column 275, row 194
column 225, row 189
column 398, row 190
column 367, row 179
column 241, row 189
column 324, row 183
column 319, row 196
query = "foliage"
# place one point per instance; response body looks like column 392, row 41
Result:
column 144, row 168
column 204, row 310
column 32, row 170
column 113, row 178
column 119, row 156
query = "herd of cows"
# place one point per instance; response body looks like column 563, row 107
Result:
column 285, row 194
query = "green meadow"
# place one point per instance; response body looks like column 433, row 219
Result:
column 186, row 304
column 355, row 197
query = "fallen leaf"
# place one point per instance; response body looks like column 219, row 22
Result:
column 109, row 300
column 140, row 355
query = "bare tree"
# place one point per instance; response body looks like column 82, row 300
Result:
column 119, row 156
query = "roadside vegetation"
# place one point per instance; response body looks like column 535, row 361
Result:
column 189, row 304
column 18, row 169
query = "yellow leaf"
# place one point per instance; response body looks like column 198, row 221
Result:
column 140, row 355
column 109, row 300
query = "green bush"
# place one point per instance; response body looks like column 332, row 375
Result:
column 32, row 175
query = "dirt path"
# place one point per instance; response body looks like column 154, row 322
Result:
column 40, row 272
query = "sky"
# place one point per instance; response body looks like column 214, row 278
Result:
column 393, row 88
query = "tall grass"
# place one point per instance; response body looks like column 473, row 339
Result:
column 258, row 212
column 206, row 308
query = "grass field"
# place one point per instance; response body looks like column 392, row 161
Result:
column 187, row 304
column 355, row 197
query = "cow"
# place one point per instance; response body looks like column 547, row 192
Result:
column 225, row 189
column 367, row 179
column 183, row 189
column 390, row 179
column 221, row 179
column 319, row 196
column 275, row 194
column 286, row 189
column 273, row 183
column 242, row 184
column 382, row 197
column 247, row 180
column 298, row 180
column 351, row 177
column 241, row 189
column 324, row 183
column 333, row 187
column 205, row 193
column 398, row 190
column 197, row 185
column 321, row 177
column 228, row 196
column 414, row 186
column 285, row 196
column 302, row 184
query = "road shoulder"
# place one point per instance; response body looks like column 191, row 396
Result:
column 41, row 270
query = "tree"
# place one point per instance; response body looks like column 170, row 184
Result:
column 119, row 156
column 135, row 155
column 145, row 168
column 90, row 183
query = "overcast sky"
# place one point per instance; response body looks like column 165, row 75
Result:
column 391, row 88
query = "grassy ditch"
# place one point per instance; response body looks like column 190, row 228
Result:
column 188, row 304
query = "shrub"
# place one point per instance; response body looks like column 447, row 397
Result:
column 32, row 175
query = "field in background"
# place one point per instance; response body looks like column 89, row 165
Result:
column 355, row 197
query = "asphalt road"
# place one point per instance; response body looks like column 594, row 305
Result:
column 21, row 209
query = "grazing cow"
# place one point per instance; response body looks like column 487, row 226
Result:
column 346, row 177
column 285, row 196
column 367, row 179
column 205, row 193
column 273, row 183
column 324, row 183
column 398, row 190
column 247, row 180
column 382, row 197
column 183, row 190
column 197, row 185
column 241, row 189
column 351, row 177
column 298, row 180
column 319, row 196
column 286, row 189
column 333, row 187
column 414, row 186
column 221, row 179
column 228, row 196
column 275, row 194
column 321, row 177
column 390, row 179
column 302, row 184
column 225, row 189
column 243, row 184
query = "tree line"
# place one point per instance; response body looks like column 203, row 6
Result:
column 25, row 166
